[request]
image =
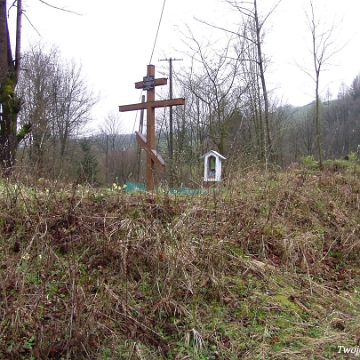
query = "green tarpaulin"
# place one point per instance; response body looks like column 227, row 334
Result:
column 133, row 186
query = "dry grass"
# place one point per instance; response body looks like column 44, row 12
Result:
column 265, row 267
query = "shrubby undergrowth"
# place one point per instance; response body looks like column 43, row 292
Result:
column 263, row 266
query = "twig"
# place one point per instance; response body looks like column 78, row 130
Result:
column 132, row 351
column 58, row 8
column 87, row 354
column 71, row 317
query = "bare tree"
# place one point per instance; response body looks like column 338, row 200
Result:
column 215, row 79
column 250, row 10
column 57, row 101
column 10, row 103
column 306, row 130
column 73, row 102
column 254, row 25
column 323, row 48
column 108, row 141
column 35, row 88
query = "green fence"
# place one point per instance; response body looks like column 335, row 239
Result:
column 133, row 186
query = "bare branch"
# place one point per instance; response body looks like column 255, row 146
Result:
column 245, row 11
column 58, row 8
column 226, row 30
column 11, row 6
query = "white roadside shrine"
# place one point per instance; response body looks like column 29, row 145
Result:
column 212, row 165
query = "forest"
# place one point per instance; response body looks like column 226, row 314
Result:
column 229, row 108
column 59, row 105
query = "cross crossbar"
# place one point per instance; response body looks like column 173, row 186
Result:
column 152, row 104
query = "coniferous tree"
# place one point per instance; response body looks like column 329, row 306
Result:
column 87, row 170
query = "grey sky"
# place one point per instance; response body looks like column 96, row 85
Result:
column 114, row 41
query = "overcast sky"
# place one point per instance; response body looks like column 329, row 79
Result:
column 113, row 40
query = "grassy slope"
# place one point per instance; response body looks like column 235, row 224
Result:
column 264, row 268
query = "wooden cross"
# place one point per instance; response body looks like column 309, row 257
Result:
column 148, row 143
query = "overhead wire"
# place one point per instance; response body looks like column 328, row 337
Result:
column 153, row 50
column 157, row 31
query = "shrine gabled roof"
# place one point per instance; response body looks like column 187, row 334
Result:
column 215, row 153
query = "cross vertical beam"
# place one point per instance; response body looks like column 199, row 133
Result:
column 150, row 133
column 150, row 123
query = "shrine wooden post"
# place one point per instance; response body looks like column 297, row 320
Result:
column 148, row 143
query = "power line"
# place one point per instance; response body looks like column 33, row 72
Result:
column 156, row 36
column 157, row 32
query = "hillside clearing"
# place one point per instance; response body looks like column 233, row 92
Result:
column 266, row 267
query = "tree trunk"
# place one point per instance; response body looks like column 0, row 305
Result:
column 10, row 104
column 18, row 40
column 5, row 48
column 267, row 136
column 7, row 81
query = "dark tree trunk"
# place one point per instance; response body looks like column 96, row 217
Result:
column 10, row 103
column 7, row 81
column 6, row 59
